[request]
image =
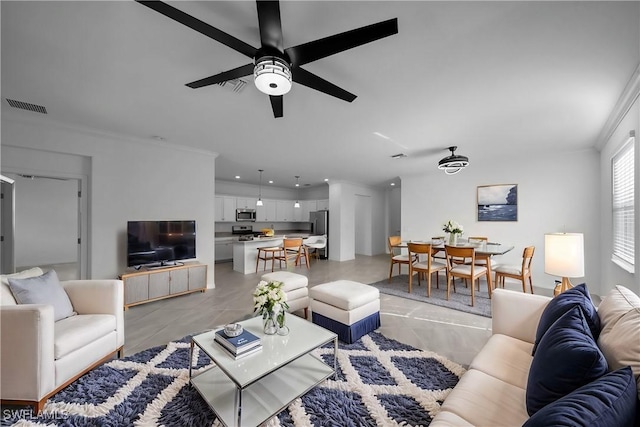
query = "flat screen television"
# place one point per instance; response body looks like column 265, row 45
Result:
column 158, row 243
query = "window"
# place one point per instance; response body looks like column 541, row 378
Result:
column 622, row 170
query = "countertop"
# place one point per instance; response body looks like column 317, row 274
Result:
column 224, row 235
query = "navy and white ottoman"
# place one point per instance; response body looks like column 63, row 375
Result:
column 350, row 309
column 296, row 288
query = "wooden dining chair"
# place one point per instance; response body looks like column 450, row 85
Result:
column 292, row 250
column 396, row 258
column 468, row 270
column 518, row 272
column 478, row 240
column 426, row 266
column 272, row 253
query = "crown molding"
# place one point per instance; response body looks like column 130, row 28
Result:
column 31, row 119
column 629, row 96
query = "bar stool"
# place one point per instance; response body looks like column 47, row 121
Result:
column 270, row 253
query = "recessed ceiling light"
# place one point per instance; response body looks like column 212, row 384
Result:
column 270, row 181
column 393, row 183
column 326, row 180
column 237, row 176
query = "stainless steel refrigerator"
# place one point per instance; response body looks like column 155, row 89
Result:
column 320, row 226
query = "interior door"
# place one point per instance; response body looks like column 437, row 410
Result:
column 47, row 224
column 7, row 196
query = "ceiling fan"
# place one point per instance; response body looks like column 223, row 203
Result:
column 273, row 66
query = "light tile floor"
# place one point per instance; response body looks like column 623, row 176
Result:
column 453, row 334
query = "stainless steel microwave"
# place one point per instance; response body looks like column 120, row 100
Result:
column 245, row 215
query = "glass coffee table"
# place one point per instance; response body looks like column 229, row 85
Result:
column 250, row 390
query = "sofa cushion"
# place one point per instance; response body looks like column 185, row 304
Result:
column 6, row 297
column 608, row 401
column 44, row 289
column 575, row 297
column 483, row 400
column 505, row 358
column 76, row 332
column 567, row 358
column 619, row 339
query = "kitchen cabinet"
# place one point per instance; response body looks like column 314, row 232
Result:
column 306, row 206
column 266, row 212
column 246, row 203
column 225, row 210
column 322, row 205
column 284, row 210
column 224, row 249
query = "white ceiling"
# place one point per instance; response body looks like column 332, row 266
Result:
column 494, row 78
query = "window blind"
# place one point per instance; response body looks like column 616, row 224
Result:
column 623, row 206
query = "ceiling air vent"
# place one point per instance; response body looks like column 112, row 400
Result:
column 236, row 85
column 27, row 106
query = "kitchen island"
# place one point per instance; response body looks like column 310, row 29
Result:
column 245, row 253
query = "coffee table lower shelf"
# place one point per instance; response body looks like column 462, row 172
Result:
column 264, row 398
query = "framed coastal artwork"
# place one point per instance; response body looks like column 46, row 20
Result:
column 498, row 202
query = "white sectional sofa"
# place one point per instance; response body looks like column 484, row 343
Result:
column 40, row 355
column 493, row 392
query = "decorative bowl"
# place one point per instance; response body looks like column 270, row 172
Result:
column 233, row 329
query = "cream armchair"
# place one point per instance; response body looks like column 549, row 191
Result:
column 40, row 356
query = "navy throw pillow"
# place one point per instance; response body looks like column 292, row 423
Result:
column 609, row 401
column 577, row 296
column 567, row 358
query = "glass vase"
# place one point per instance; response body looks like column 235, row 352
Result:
column 269, row 324
column 453, row 239
column 283, row 329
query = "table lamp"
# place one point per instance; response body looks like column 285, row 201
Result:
column 564, row 257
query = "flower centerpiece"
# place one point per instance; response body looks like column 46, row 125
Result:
column 270, row 301
column 454, row 229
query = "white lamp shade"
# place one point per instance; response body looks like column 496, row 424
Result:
column 564, row 254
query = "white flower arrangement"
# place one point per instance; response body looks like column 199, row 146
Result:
column 452, row 227
column 269, row 298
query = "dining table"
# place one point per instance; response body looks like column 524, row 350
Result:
column 484, row 251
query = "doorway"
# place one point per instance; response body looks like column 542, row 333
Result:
column 7, row 226
column 47, row 224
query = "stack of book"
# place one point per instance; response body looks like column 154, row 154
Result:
column 243, row 345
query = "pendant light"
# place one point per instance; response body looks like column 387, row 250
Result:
column 454, row 163
column 297, row 203
column 259, row 202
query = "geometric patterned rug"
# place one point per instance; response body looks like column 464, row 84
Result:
column 379, row 382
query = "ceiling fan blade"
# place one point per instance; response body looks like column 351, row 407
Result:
column 201, row 27
column 276, row 105
column 236, row 73
column 318, row 49
column 270, row 24
column 311, row 80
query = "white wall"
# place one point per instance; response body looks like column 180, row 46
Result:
column 612, row 274
column 556, row 193
column 343, row 217
column 130, row 180
column 395, row 203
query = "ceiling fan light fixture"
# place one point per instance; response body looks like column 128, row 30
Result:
column 454, row 163
column 272, row 76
